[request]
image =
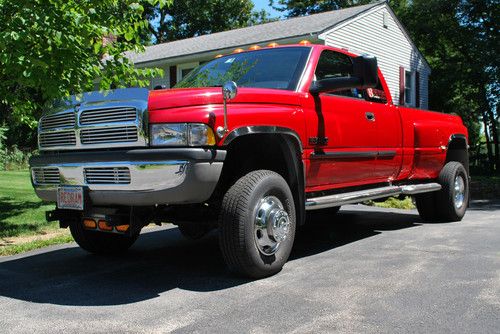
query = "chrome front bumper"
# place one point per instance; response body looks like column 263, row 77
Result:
column 134, row 178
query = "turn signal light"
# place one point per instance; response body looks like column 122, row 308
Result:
column 238, row 51
column 254, row 47
column 304, row 42
column 103, row 225
column 89, row 223
column 122, row 228
column 272, row 45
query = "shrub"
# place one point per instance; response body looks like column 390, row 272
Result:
column 11, row 158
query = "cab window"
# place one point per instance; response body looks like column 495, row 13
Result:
column 333, row 64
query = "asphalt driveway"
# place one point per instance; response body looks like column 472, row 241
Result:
column 366, row 270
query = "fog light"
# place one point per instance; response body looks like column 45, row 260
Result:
column 89, row 223
column 103, row 225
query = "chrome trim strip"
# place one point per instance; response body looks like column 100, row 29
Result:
column 352, row 154
column 261, row 129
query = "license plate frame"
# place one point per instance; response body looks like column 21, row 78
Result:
column 71, row 198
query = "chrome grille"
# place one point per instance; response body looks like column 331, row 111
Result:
column 107, row 175
column 57, row 138
column 46, row 175
column 99, row 135
column 97, row 120
column 57, row 121
column 109, row 115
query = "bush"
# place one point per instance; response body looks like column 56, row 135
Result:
column 11, row 158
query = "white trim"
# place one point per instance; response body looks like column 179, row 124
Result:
column 413, row 88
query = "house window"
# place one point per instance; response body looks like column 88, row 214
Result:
column 184, row 69
column 409, row 88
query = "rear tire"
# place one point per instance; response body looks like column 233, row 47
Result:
column 100, row 242
column 450, row 203
column 257, row 224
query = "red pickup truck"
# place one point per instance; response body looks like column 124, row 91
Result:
column 246, row 143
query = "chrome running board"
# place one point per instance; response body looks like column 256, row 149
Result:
column 368, row 194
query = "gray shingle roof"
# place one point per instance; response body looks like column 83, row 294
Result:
column 294, row 27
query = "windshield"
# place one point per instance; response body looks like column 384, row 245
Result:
column 278, row 68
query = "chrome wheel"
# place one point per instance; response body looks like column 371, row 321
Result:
column 271, row 225
column 459, row 191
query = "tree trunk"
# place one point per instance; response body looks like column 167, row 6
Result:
column 488, row 141
column 495, row 141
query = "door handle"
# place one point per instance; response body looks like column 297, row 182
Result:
column 370, row 116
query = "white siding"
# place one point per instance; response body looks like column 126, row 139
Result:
column 367, row 34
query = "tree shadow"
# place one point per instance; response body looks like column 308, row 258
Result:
column 485, row 205
column 9, row 208
column 163, row 260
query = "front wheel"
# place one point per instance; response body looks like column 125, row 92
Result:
column 257, row 224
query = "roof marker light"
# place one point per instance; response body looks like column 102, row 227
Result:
column 272, row 45
column 304, row 42
column 218, row 56
column 238, row 50
column 254, row 47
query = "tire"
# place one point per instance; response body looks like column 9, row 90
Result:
column 193, row 231
column 248, row 242
column 451, row 202
column 426, row 206
column 100, row 242
column 447, row 202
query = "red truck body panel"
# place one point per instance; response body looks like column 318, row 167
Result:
column 400, row 144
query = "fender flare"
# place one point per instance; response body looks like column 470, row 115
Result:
column 291, row 138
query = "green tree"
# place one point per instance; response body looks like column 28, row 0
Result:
column 294, row 8
column 459, row 39
column 50, row 49
column 188, row 18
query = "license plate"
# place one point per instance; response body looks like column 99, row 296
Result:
column 70, row 198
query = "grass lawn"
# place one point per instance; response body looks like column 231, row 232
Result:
column 22, row 216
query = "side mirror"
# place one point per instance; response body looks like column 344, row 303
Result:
column 365, row 75
column 229, row 90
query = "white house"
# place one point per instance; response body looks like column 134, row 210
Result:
column 373, row 29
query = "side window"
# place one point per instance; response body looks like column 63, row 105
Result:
column 333, row 64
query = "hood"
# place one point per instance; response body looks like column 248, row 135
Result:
column 184, row 97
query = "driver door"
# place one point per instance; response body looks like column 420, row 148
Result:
column 345, row 151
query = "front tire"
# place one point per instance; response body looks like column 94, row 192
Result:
column 100, row 242
column 257, row 224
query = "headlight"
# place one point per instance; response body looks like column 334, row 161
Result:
column 181, row 134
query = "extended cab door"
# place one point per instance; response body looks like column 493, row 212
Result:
column 342, row 132
column 358, row 132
